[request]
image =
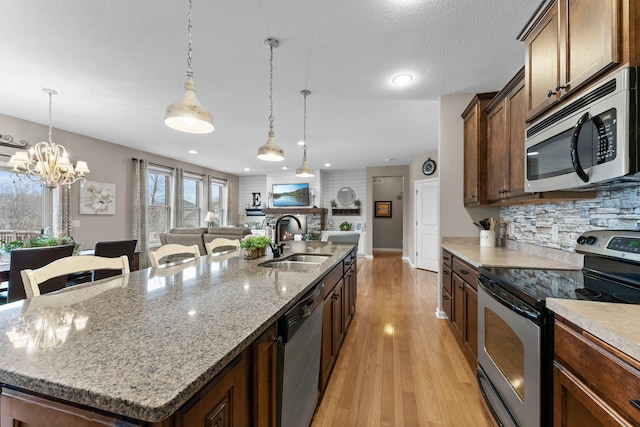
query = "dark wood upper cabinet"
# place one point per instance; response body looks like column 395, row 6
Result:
column 506, row 116
column 475, row 149
column 573, row 41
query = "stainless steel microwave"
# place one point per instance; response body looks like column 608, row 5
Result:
column 591, row 142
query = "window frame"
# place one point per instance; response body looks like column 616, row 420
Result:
column 199, row 208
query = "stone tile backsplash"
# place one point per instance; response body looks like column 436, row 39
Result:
column 558, row 225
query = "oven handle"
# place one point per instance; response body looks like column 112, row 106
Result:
column 521, row 309
column 575, row 160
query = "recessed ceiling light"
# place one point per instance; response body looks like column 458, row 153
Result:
column 285, row 168
column 193, row 152
column 388, row 160
column 247, row 169
column 402, row 79
column 327, row 165
column 300, row 142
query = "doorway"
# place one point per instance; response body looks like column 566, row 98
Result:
column 388, row 213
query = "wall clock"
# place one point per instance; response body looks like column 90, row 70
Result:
column 429, row 167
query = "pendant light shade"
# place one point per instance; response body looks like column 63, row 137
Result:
column 188, row 115
column 270, row 151
column 305, row 171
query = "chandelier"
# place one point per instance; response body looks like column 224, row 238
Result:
column 47, row 162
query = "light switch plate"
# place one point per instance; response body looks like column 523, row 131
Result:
column 75, row 223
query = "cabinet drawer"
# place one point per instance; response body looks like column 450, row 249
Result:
column 446, row 279
column 332, row 279
column 447, row 258
column 468, row 273
column 614, row 379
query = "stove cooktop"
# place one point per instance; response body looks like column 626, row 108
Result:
column 611, row 272
column 534, row 286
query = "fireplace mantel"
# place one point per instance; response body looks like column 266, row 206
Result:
column 282, row 211
column 317, row 215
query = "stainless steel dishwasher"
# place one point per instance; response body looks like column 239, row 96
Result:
column 300, row 335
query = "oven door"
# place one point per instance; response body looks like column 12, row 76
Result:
column 510, row 357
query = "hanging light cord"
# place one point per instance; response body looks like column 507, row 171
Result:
column 50, row 120
column 271, row 86
column 304, row 127
column 190, row 51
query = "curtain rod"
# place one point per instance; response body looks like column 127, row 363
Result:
column 173, row 168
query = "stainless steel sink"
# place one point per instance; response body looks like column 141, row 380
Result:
column 320, row 258
column 296, row 262
column 290, row 265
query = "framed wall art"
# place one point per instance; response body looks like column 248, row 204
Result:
column 383, row 210
column 97, row 198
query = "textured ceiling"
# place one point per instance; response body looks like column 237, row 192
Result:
column 117, row 64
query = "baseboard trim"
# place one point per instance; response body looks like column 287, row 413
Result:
column 440, row 314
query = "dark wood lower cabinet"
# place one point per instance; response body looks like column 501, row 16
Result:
column 460, row 303
column 225, row 401
column 338, row 311
column 18, row 409
column 594, row 383
column 265, row 352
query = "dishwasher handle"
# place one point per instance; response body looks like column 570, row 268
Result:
column 296, row 315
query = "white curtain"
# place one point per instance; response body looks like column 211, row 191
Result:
column 178, row 196
column 141, row 209
column 61, row 209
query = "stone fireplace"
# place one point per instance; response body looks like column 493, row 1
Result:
column 312, row 219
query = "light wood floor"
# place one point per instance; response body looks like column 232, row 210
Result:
column 399, row 364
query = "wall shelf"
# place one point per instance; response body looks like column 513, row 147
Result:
column 254, row 212
column 345, row 211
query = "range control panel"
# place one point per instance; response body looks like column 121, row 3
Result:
column 623, row 244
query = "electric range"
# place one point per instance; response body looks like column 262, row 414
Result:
column 515, row 342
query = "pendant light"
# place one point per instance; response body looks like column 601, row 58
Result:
column 188, row 115
column 305, row 171
column 270, row 151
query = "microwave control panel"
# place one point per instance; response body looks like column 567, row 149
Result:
column 605, row 126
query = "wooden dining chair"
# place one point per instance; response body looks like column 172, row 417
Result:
column 222, row 245
column 65, row 266
column 114, row 249
column 173, row 249
column 34, row 258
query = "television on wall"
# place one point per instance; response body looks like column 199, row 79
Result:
column 290, row 195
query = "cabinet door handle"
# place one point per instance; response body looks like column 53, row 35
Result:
column 448, row 297
column 551, row 93
column 464, row 272
column 635, row 403
column 559, row 86
column 461, row 287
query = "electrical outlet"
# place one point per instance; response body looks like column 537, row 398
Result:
column 554, row 233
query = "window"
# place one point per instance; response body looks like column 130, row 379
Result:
column 192, row 205
column 218, row 202
column 159, row 209
column 22, row 207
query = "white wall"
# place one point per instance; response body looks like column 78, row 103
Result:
column 455, row 219
column 108, row 163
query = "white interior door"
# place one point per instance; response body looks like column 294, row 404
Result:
column 427, row 224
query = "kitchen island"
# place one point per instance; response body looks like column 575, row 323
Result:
column 143, row 347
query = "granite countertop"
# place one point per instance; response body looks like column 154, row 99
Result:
column 615, row 324
column 469, row 250
column 151, row 341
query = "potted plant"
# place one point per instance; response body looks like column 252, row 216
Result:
column 357, row 203
column 345, row 226
column 255, row 246
column 5, row 249
column 334, row 204
column 312, row 236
